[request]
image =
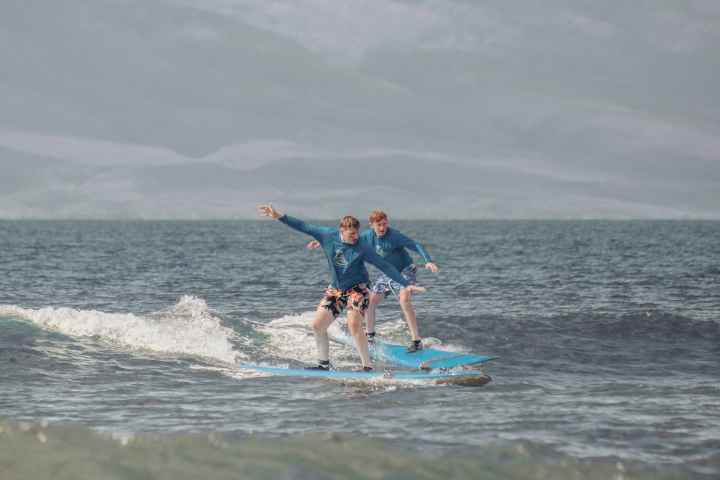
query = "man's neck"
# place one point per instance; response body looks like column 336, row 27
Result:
column 345, row 241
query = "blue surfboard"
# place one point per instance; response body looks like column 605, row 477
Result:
column 425, row 359
column 464, row 377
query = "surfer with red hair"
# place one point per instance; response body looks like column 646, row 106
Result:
column 346, row 257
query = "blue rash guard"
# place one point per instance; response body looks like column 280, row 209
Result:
column 392, row 247
column 346, row 261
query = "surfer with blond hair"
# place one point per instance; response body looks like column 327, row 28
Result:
column 348, row 289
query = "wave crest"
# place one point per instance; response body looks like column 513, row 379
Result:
column 187, row 328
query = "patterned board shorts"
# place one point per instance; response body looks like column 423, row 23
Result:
column 385, row 285
column 354, row 298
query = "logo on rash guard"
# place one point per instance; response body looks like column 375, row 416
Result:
column 379, row 250
column 340, row 260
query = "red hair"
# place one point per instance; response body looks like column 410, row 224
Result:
column 377, row 216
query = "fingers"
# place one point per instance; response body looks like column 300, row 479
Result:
column 432, row 267
column 267, row 210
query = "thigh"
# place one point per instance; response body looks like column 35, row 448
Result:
column 333, row 302
column 323, row 317
column 376, row 298
column 354, row 317
column 358, row 299
column 381, row 286
column 405, row 296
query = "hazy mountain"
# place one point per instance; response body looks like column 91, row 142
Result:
column 180, row 108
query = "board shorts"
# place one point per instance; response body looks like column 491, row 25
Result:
column 354, row 298
column 384, row 285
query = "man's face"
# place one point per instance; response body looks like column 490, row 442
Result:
column 380, row 227
column 349, row 235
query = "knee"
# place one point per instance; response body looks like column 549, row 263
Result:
column 316, row 327
column 319, row 326
column 354, row 323
column 405, row 300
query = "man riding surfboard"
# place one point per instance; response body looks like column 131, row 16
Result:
column 346, row 258
column 392, row 246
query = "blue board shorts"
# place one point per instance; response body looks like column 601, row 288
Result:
column 385, row 285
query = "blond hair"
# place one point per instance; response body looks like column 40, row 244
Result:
column 349, row 221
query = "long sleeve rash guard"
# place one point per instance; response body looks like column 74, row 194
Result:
column 392, row 247
column 346, row 261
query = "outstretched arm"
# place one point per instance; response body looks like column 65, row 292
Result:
column 388, row 269
column 411, row 244
column 315, row 231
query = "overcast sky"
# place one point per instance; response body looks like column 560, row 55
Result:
column 426, row 109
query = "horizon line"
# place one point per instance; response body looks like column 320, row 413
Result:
column 326, row 219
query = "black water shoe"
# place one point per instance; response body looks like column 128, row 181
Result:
column 322, row 365
column 414, row 346
column 363, row 369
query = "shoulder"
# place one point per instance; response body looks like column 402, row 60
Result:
column 367, row 236
column 395, row 234
column 330, row 232
column 364, row 247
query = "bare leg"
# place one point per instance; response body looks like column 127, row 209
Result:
column 409, row 312
column 375, row 299
column 321, row 322
column 355, row 321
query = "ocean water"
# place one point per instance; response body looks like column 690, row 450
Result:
column 120, row 344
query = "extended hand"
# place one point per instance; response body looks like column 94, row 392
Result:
column 432, row 267
column 313, row 244
column 415, row 288
column 268, row 211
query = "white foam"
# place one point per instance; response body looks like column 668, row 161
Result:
column 397, row 332
column 187, row 328
column 291, row 337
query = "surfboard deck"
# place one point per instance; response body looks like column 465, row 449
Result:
column 462, row 377
column 425, row 359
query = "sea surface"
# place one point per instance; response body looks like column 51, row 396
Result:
column 120, row 345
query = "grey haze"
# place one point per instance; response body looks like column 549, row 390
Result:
column 428, row 109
